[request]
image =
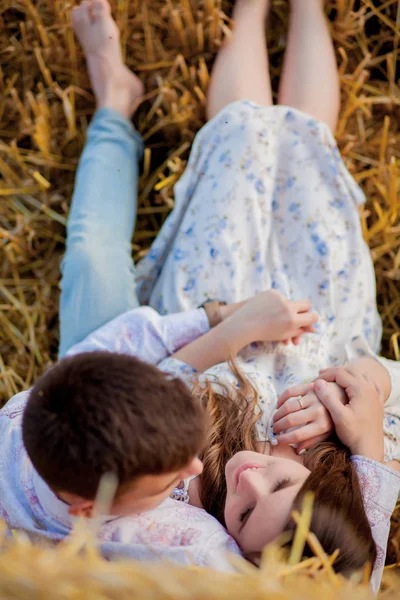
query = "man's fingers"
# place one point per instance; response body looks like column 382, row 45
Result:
column 341, row 375
column 306, row 319
column 330, row 400
column 296, row 390
column 309, row 329
column 302, row 306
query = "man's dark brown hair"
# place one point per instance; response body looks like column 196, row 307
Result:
column 100, row 412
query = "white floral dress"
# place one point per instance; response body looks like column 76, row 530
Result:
column 267, row 202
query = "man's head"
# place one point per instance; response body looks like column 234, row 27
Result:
column 101, row 413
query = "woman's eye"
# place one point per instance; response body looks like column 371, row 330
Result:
column 280, row 485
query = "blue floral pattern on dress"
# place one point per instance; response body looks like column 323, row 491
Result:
column 283, row 215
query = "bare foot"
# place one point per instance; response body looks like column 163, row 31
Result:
column 114, row 85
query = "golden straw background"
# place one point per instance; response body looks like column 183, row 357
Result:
column 45, row 107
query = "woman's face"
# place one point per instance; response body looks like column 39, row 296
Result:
column 260, row 493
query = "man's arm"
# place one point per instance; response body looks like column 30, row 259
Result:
column 267, row 317
column 144, row 333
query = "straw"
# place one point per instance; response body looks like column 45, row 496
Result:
column 46, row 105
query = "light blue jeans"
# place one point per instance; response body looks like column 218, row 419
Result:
column 98, row 278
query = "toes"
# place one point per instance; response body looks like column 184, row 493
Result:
column 80, row 14
column 101, row 7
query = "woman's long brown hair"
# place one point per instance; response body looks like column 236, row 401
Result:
column 232, row 416
column 339, row 519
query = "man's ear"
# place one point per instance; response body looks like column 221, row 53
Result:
column 78, row 506
column 195, row 467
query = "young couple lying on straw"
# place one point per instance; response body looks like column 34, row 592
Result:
column 215, row 421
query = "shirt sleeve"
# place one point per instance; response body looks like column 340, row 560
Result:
column 218, row 553
column 144, row 333
column 15, row 405
column 380, row 487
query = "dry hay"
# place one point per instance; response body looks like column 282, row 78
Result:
column 46, row 104
column 74, row 570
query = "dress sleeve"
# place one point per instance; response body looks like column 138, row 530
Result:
column 177, row 368
column 144, row 333
column 391, row 422
column 380, row 488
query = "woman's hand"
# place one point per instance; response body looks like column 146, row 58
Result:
column 303, row 417
column 358, row 424
column 270, row 317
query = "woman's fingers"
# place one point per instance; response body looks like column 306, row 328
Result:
column 292, row 405
column 312, row 442
column 299, row 435
column 330, row 400
column 297, row 390
column 294, row 419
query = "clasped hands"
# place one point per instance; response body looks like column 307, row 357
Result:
column 344, row 400
column 348, row 400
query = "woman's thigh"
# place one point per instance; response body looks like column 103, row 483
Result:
column 266, row 202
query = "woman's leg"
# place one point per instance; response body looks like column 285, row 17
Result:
column 98, row 280
column 241, row 69
column 310, row 80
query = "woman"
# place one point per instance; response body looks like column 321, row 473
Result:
column 266, row 202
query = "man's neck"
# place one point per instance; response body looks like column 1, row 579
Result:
column 194, row 493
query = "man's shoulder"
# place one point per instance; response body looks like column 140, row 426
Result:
column 11, row 422
column 15, row 406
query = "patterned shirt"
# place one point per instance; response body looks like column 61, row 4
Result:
column 174, row 530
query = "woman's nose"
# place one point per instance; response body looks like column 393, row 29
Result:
column 250, row 483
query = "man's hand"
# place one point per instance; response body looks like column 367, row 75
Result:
column 359, row 424
column 270, row 317
column 267, row 317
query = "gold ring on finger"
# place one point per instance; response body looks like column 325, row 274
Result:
column 301, row 403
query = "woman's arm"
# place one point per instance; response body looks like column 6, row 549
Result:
column 380, row 488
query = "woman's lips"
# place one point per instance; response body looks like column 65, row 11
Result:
column 243, row 468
